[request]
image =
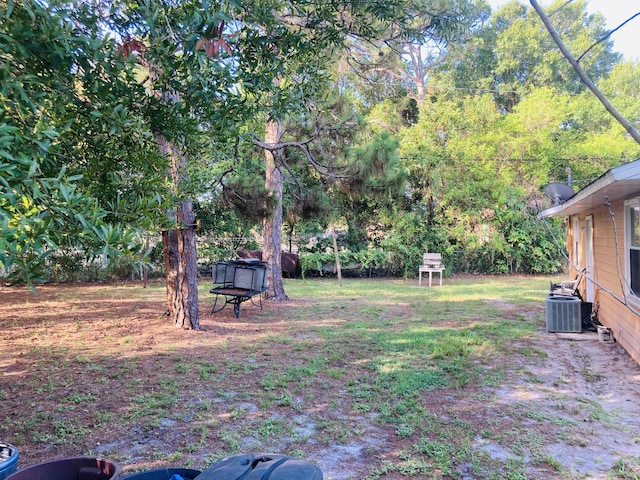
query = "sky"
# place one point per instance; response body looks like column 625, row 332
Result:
column 627, row 39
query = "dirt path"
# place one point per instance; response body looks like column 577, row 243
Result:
column 598, row 384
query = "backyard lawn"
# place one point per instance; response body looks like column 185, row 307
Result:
column 377, row 379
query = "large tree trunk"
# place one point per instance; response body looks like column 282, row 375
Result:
column 179, row 245
column 170, row 255
column 179, row 250
column 181, row 267
column 272, row 227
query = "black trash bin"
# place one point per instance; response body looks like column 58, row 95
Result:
column 261, row 466
column 72, row 468
column 8, row 459
column 164, row 474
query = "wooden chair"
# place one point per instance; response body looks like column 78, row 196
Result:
column 431, row 262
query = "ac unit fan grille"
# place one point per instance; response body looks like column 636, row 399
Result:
column 563, row 314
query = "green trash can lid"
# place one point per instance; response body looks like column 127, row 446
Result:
column 261, row 466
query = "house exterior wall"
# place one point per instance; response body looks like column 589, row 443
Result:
column 609, row 273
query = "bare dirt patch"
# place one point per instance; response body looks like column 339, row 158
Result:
column 597, row 386
column 98, row 370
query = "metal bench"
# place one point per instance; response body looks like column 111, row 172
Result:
column 238, row 281
column 431, row 262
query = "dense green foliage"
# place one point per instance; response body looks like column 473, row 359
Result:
column 435, row 128
column 63, row 113
column 503, row 116
column 98, row 101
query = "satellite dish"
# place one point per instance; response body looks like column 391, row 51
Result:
column 559, row 192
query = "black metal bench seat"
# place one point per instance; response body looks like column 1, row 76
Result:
column 238, row 281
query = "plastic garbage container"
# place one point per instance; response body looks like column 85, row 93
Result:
column 8, row 459
column 72, row 468
column 261, row 466
column 164, row 474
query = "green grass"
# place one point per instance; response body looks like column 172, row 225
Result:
column 420, row 365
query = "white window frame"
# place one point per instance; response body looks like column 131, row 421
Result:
column 629, row 205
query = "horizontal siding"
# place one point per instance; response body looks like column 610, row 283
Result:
column 624, row 324
column 608, row 250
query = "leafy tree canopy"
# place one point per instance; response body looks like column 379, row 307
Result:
column 67, row 108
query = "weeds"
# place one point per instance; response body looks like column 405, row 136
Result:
column 421, row 380
column 626, row 469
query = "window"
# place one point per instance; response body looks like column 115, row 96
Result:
column 632, row 223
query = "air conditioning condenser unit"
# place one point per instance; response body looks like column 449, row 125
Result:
column 564, row 314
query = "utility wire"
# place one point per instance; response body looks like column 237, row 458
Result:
column 576, row 267
column 622, row 280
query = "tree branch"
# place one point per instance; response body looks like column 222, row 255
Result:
column 326, row 170
column 281, row 160
column 272, row 147
column 583, row 75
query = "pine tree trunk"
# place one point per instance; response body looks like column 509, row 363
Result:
column 179, row 245
column 272, row 227
column 179, row 250
column 170, row 255
column 181, row 267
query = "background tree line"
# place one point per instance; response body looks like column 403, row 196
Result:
column 420, row 126
column 451, row 139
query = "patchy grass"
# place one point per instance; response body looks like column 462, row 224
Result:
column 379, row 379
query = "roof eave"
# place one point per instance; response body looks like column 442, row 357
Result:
column 617, row 183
